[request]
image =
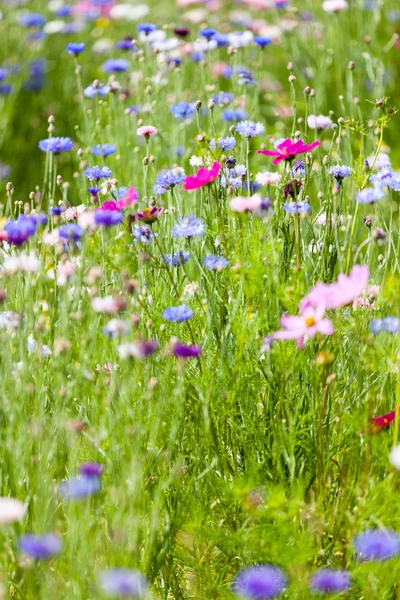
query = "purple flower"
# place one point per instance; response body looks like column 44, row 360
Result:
column 79, row 487
column 234, row 114
column 377, row 544
column 146, row 28
column 330, row 580
column 250, row 129
column 184, row 351
column 56, row 145
column 40, row 546
column 183, row 110
column 96, row 173
column 91, row 469
column 370, row 195
column 215, row 263
column 177, row 259
column 19, row 231
column 259, row 583
column 262, row 41
column 32, row 20
column 57, row 210
column 70, row 232
column 224, row 98
column 107, row 218
column 188, row 227
column 123, row 582
column 168, row 179
column 143, row 234
column 177, row 314
column 126, row 44
column 224, row 144
column 296, row 208
column 340, row 172
column 117, row 65
column 104, row 149
column 75, row 48
column 97, row 89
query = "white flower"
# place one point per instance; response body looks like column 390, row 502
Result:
column 196, row 161
column 127, row 12
column 394, row 456
column 319, row 122
column 268, row 178
column 334, row 5
column 11, row 510
column 25, row 263
column 116, row 327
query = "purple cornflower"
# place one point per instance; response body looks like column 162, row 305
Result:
column 93, row 190
column 234, row 114
column 57, row 210
column 297, row 208
column 177, row 314
column 168, row 179
column 250, row 129
column 183, row 110
column 123, row 582
column 215, row 263
column 330, row 580
column 115, row 65
column 104, row 149
column 91, row 469
column 340, row 172
column 96, row 173
column 370, row 195
column 177, row 259
column 188, row 227
column 142, row 234
column 19, row 231
column 70, row 232
column 262, row 41
column 56, row 145
column 184, row 351
column 299, row 168
column 224, row 144
column 259, row 582
column 79, row 487
column 32, row 20
column 107, row 218
column 75, row 48
column 377, row 544
column 126, row 44
column 40, row 546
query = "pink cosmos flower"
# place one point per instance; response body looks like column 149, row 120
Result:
column 268, row 178
column 287, row 149
column 246, row 204
column 203, row 177
column 146, row 131
column 129, row 198
column 339, row 293
column 308, row 324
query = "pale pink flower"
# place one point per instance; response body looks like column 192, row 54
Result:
column 339, row 293
column 373, row 291
column 323, row 218
column 334, row 5
column 11, row 510
column 246, row 204
column 86, row 220
column 65, row 271
column 109, row 304
column 146, row 131
column 268, row 178
column 73, row 212
column 52, row 238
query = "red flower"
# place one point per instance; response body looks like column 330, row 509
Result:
column 384, row 420
column 287, row 149
column 203, row 177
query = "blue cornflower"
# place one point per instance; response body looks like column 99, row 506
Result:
column 299, row 168
column 250, row 129
column 63, row 11
column 330, row 580
column 32, row 20
column 75, row 48
column 221, row 39
column 177, row 314
column 143, row 234
column 262, row 41
column 3, row 74
column 71, row 232
column 96, row 173
column 79, row 487
column 224, row 144
column 5, row 89
column 259, row 582
column 383, row 177
column 391, row 324
column 370, row 195
column 146, row 28
column 19, row 231
column 177, row 259
column 56, row 145
column 123, row 582
column 56, row 210
column 5, row 171
column 188, row 227
column 40, row 546
column 377, row 544
column 375, row 326
column 115, row 65
column 104, row 149
column 96, row 90
column 236, row 177
column 215, row 263
column 93, row 190
column 197, row 56
column 234, row 114
column 208, row 33
column 395, row 182
column 340, row 172
column 223, row 98
column 37, row 218
column 296, row 208
column 183, row 110
column 107, row 218
column 125, row 45
column 168, row 179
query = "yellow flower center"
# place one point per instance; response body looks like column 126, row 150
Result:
column 310, row 321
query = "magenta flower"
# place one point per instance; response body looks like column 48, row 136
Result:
column 339, row 293
column 129, row 198
column 307, row 324
column 184, row 351
column 203, row 177
column 288, row 149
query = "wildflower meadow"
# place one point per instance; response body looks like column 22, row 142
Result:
column 199, row 299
